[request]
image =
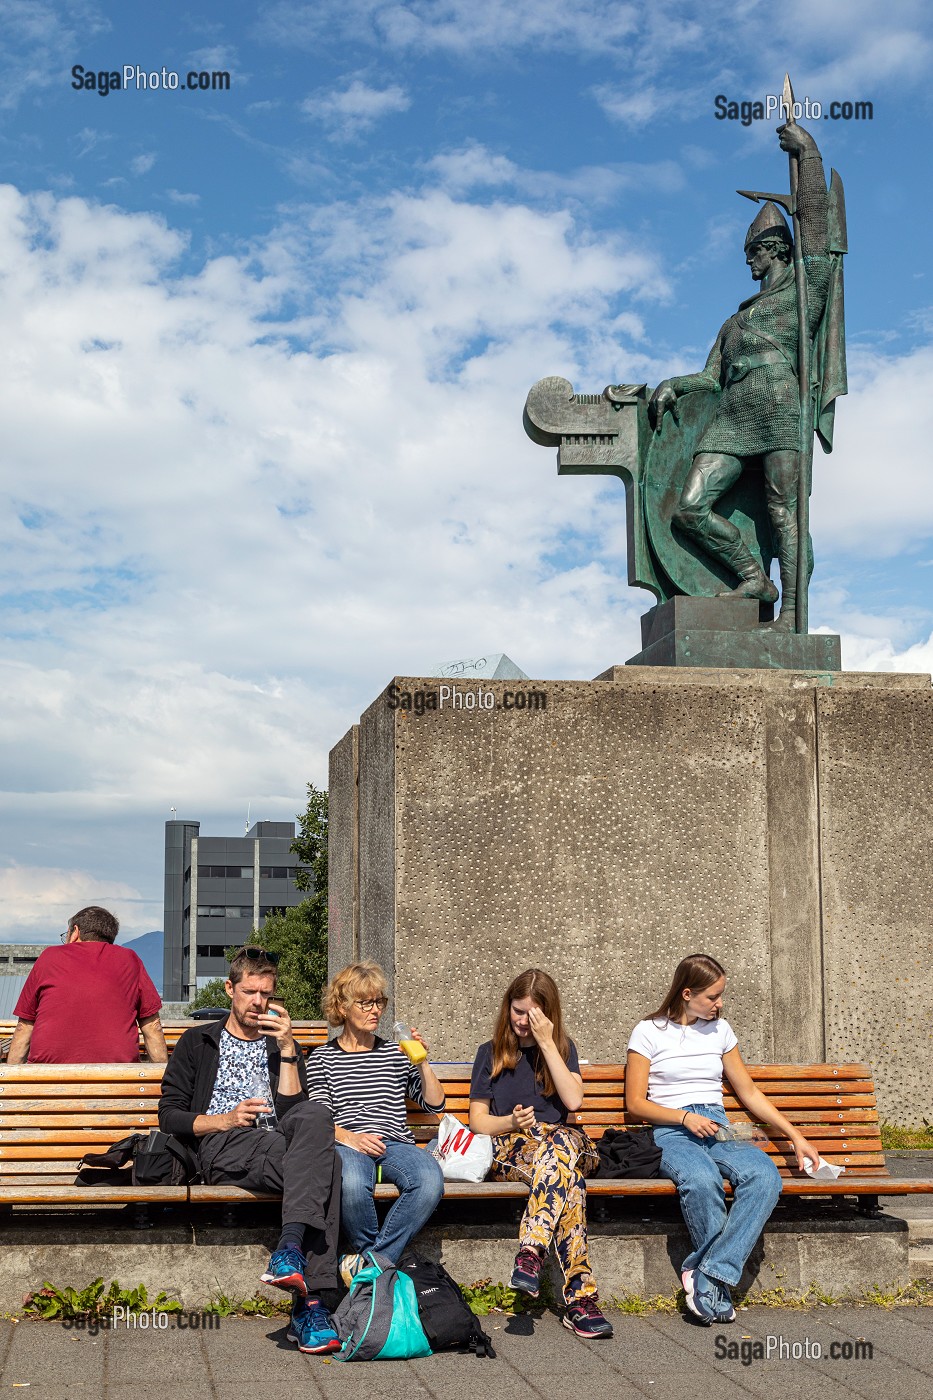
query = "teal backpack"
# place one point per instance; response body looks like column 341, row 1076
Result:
column 378, row 1320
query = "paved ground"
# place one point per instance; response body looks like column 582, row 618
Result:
column 660, row 1356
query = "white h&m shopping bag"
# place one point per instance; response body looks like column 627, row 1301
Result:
column 464, row 1156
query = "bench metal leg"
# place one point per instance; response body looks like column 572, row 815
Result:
column 229, row 1218
column 867, row 1205
column 141, row 1218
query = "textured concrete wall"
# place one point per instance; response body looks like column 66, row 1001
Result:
column 876, row 808
column 195, row 1261
column 634, row 819
column 343, row 885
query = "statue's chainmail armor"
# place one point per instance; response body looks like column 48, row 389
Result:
column 759, row 410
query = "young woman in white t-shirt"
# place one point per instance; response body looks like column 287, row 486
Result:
column 673, row 1079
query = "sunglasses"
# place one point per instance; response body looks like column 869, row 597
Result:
column 373, row 1004
column 258, row 955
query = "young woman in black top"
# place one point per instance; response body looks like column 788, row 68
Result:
column 526, row 1084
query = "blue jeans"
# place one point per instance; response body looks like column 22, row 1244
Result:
column 421, row 1185
column 722, row 1241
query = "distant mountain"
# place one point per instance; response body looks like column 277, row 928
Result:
column 148, row 947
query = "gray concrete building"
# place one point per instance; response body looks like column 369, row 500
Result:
column 218, row 890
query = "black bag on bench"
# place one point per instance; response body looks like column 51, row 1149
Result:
column 623, row 1153
column 154, row 1159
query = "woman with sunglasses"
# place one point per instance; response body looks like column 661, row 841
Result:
column 365, row 1082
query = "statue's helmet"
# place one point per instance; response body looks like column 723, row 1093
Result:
column 769, row 222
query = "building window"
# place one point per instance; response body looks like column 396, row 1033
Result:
column 212, row 950
column 188, row 874
column 225, row 911
column 185, row 951
column 266, row 909
column 225, row 872
column 278, row 872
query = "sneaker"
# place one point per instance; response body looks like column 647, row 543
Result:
column 312, row 1327
column 525, row 1274
column 350, row 1265
column 585, row 1319
column 725, row 1312
column 286, row 1269
column 702, row 1295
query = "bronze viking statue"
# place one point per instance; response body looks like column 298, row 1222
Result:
column 719, row 486
column 754, row 366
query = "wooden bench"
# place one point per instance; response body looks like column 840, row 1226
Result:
column 50, row 1115
column 307, row 1034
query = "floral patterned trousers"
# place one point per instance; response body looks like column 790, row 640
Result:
column 554, row 1163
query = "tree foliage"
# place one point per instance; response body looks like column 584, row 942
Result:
column 213, row 993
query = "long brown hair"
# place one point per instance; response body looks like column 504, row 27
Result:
column 696, row 971
column 505, row 1047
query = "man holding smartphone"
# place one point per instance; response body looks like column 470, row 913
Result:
column 227, row 1079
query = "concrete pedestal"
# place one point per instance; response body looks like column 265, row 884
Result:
column 779, row 820
column 729, row 632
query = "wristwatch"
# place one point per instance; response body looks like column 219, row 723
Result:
column 289, row 1059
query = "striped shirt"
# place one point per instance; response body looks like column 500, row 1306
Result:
column 366, row 1090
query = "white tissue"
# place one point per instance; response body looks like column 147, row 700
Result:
column 825, row 1171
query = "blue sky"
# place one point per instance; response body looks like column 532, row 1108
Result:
column 266, row 352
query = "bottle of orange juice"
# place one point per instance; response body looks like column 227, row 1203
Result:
column 412, row 1048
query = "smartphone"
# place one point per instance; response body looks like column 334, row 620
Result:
column 275, row 1007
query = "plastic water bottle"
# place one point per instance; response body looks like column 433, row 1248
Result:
column 260, row 1089
column 412, row 1048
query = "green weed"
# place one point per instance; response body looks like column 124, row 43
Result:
column 58, row 1304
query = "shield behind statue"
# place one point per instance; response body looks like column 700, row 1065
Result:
column 667, row 461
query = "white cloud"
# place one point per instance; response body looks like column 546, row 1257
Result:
column 878, row 653
column 355, row 109
column 38, row 900
column 454, row 26
column 874, row 493
column 142, row 164
column 637, row 105
column 474, row 167
column 228, row 527
column 218, row 547
column 41, row 41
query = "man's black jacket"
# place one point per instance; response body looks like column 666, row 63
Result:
column 188, row 1082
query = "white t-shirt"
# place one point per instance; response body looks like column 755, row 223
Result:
column 686, row 1061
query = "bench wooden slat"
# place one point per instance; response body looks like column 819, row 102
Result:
column 50, row 1115
column 29, row 1193
column 23, row 1127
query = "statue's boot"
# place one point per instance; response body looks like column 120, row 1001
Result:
column 755, row 582
column 786, row 620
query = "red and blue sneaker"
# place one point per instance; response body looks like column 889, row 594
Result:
column 312, row 1327
column 286, row 1269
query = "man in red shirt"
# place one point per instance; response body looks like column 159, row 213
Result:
column 85, row 1003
